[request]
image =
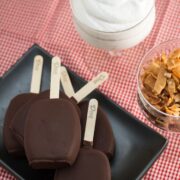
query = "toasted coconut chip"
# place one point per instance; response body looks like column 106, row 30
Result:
column 160, row 82
column 170, row 64
column 167, row 75
column 175, row 53
column 164, row 93
column 153, row 68
column 164, row 58
column 171, row 112
column 149, row 81
column 176, row 79
column 177, row 98
column 151, row 97
column 178, row 87
column 143, row 76
column 171, row 87
column 175, row 107
column 165, row 100
column 154, row 101
column 173, row 63
column 176, row 71
column 176, row 61
column 149, row 93
column 169, row 102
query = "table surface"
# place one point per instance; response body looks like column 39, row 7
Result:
column 49, row 23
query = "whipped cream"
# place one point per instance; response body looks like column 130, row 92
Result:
column 111, row 15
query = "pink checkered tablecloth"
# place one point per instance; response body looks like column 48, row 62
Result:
column 49, row 23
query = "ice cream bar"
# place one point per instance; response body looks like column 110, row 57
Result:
column 77, row 97
column 103, row 138
column 12, row 145
column 91, row 164
column 52, row 132
column 18, row 123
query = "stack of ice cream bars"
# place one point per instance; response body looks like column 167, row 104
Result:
column 57, row 130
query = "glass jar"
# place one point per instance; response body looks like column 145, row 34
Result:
column 120, row 40
column 158, row 118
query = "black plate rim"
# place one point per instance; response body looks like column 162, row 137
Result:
column 10, row 170
column 148, row 166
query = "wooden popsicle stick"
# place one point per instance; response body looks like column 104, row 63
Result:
column 66, row 82
column 36, row 74
column 90, row 122
column 55, row 78
column 90, row 86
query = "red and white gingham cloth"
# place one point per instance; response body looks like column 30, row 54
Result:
column 49, row 23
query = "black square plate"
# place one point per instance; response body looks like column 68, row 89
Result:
column 137, row 146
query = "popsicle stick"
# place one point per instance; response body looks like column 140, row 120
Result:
column 90, row 86
column 36, row 74
column 90, row 122
column 66, row 82
column 55, row 78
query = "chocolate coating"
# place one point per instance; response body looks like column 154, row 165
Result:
column 18, row 122
column 103, row 136
column 11, row 144
column 91, row 164
column 52, row 134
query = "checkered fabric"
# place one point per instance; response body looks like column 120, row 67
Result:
column 49, row 23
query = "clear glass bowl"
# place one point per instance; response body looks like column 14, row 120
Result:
column 158, row 118
column 114, row 41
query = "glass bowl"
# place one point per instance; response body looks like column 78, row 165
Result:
column 114, row 41
column 158, row 118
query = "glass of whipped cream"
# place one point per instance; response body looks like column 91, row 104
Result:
column 113, row 25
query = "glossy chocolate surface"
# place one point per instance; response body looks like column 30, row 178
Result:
column 12, row 145
column 52, row 134
column 90, row 165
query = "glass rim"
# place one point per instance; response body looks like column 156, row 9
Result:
column 139, row 82
column 114, row 32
